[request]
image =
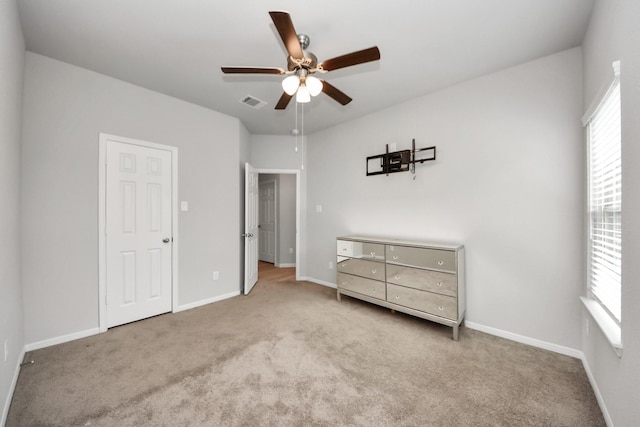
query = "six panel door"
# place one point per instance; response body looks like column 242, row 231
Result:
column 138, row 232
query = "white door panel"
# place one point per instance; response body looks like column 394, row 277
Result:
column 138, row 232
column 251, row 196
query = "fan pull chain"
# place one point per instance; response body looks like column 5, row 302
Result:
column 296, row 128
column 302, row 138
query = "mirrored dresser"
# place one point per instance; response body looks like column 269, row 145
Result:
column 423, row 279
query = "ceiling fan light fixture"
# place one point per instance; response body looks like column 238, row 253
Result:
column 301, row 63
column 291, row 84
column 303, row 95
column 314, row 85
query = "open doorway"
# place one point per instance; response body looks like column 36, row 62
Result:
column 277, row 219
column 286, row 250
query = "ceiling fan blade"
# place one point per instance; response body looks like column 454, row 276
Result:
column 252, row 70
column 284, row 101
column 353, row 58
column 335, row 93
column 288, row 34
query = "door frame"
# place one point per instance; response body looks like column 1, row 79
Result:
column 295, row 172
column 102, row 220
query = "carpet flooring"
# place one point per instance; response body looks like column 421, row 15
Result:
column 290, row 354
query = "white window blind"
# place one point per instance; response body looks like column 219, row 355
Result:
column 605, row 202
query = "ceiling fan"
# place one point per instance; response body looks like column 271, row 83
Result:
column 301, row 65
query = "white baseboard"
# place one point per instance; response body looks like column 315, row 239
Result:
column 285, row 265
column 83, row 334
column 319, row 282
column 12, row 389
column 526, row 340
column 493, row 331
column 551, row 347
column 59, row 340
column 205, row 301
column 596, row 391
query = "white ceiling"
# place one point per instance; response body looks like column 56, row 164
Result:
column 177, row 47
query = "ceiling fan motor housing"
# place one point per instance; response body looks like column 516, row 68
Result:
column 309, row 61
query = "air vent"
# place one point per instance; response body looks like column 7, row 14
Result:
column 252, row 102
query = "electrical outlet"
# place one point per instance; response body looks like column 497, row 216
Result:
column 290, row 250
column 330, row 265
column 216, row 275
column 6, row 350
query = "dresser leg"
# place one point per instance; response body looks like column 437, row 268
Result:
column 339, row 296
column 455, row 332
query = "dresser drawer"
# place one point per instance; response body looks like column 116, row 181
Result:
column 369, row 287
column 422, row 257
column 426, row 280
column 439, row 305
column 361, row 267
column 373, row 251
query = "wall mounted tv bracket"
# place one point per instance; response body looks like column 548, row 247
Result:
column 399, row 161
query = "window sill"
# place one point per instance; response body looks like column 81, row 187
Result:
column 609, row 327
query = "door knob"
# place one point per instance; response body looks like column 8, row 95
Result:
column 166, row 240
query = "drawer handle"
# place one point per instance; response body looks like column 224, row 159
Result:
column 344, row 282
column 397, row 277
column 374, row 290
column 441, row 308
column 374, row 271
column 440, row 262
column 439, row 284
column 395, row 257
column 373, row 253
column 397, row 296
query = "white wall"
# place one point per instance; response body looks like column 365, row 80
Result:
column 507, row 183
column 614, row 34
column 65, row 108
column 11, row 318
column 277, row 152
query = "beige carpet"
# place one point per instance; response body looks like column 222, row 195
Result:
column 290, row 354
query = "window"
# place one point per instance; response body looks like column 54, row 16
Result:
column 605, row 205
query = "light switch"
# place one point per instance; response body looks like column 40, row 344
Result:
column 318, row 208
column 184, row 206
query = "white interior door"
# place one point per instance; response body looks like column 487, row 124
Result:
column 138, row 232
column 251, row 197
column 267, row 221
